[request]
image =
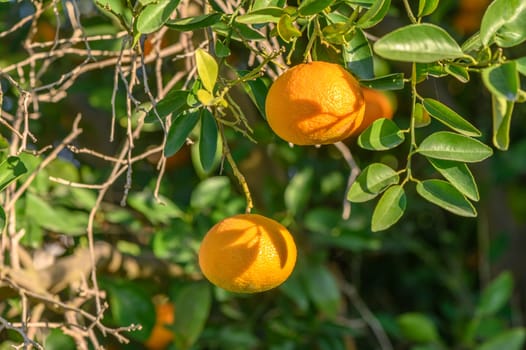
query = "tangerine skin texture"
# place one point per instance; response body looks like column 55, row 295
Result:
column 247, row 253
column 315, row 103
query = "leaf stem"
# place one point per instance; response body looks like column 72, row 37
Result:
column 410, row 14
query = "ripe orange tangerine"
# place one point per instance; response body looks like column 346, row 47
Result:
column 315, row 103
column 377, row 105
column 247, row 253
column 161, row 336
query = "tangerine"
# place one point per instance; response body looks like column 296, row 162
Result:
column 161, row 337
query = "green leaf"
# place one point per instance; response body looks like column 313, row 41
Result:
column 452, row 146
column 421, row 116
column 445, row 195
column 459, row 72
column 208, row 140
column 181, row 127
column 426, row 7
column 3, row 219
column 298, row 191
column 374, row 14
column 495, row 295
column 418, row 43
column 373, row 180
column 262, row 15
column 10, row 170
column 322, row 288
column 449, row 117
column 210, row 192
column 459, row 175
column 131, row 305
column 417, row 327
column 193, row 303
column 173, row 102
column 207, row 69
column 57, row 340
column 502, row 110
column 194, row 22
column 155, row 15
column 286, row 29
column 502, row 80
column 510, row 340
column 504, row 23
column 521, row 65
column 393, row 81
column 382, row 134
column 155, row 212
column 312, row 7
column 389, row 208
column 257, row 90
column 357, row 55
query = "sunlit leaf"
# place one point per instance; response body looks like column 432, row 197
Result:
column 374, row 14
column 312, row 7
column 502, row 110
column 207, row 69
column 504, row 23
column 374, row 179
column 502, row 80
column 460, row 73
column 445, row 195
column 286, row 29
column 357, row 55
column 155, row 15
column 393, row 81
column 459, row 175
column 426, row 7
column 449, row 117
column 194, row 22
column 10, row 170
column 510, row 340
column 418, row 43
column 421, row 116
column 389, row 208
column 262, row 15
column 452, row 146
column 382, row 134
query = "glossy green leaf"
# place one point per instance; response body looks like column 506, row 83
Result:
column 175, row 101
column 502, row 110
column 502, row 80
column 194, row 22
column 513, row 339
column 374, row 179
column 504, row 23
column 335, row 33
column 445, row 195
column 207, row 69
column 449, row 117
column 262, row 15
column 520, row 63
column 155, row 15
column 418, row 43
column 374, row 14
column 298, row 191
column 459, row 72
column 389, row 208
column 426, row 7
column 495, row 295
column 286, row 29
column 382, row 134
column 417, row 327
column 10, row 170
column 257, row 90
column 192, row 303
column 425, row 70
column 451, row 146
column 179, row 131
column 393, row 81
column 459, row 175
column 358, row 56
column 312, row 7
column 322, row 288
column 208, row 140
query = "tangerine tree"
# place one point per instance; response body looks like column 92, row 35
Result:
column 184, row 153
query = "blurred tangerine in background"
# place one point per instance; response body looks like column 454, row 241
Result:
column 469, row 15
column 378, row 104
column 161, row 336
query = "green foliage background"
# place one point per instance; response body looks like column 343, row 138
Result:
column 402, row 272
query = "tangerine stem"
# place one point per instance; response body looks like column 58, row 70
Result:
column 239, row 176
